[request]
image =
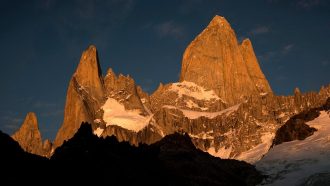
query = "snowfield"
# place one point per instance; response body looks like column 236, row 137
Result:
column 223, row 152
column 292, row 163
column 255, row 154
column 193, row 90
column 197, row 114
column 98, row 131
column 116, row 114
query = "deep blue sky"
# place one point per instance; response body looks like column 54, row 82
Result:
column 41, row 44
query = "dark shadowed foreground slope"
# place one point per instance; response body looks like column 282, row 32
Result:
column 88, row 159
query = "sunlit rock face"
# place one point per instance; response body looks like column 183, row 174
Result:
column 29, row 137
column 89, row 91
column 84, row 95
column 126, row 112
column 215, row 60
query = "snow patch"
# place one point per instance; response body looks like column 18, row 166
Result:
column 116, row 114
column 203, row 135
column 193, row 90
column 98, row 131
column 128, row 96
column 281, row 115
column 255, row 154
column 263, row 93
column 223, row 152
column 191, row 104
column 196, row 114
column 97, row 121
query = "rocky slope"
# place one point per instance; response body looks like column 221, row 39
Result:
column 29, row 137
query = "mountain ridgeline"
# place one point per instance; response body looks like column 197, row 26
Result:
column 222, row 100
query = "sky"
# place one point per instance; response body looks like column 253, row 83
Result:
column 42, row 41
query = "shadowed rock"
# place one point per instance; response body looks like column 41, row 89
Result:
column 296, row 128
column 172, row 161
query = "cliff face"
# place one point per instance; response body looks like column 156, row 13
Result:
column 253, row 68
column 29, row 137
column 215, row 60
column 84, row 96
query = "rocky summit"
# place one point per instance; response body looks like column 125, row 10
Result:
column 29, row 137
column 223, row 100
column 216, row 61
column 84, row 95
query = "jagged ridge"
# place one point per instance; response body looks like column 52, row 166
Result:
column 223, row 100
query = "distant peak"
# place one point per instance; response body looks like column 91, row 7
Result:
column 92, row 47
column 89, row 62
column 246, row 42
column 219, row 21
column 31, row 119
column 110, row 72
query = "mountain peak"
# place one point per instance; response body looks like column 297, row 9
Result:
column 28, row 136
column 89, row 60
column 92, row 47
column 246, row 43
column 30, row 123
column 253, row 67
column 89, row 73
column 84, row 95
column 219, row 21
column 215, row 60
column 110, row 72
column 31, row 120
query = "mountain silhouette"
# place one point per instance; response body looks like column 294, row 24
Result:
column 86, row 158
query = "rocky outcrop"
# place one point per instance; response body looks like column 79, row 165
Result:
column 84, row 96
column 293, row 130
column 87, row 93
column 296, row 128
column 216, row 61
column 29, row 137
column 124, row 90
